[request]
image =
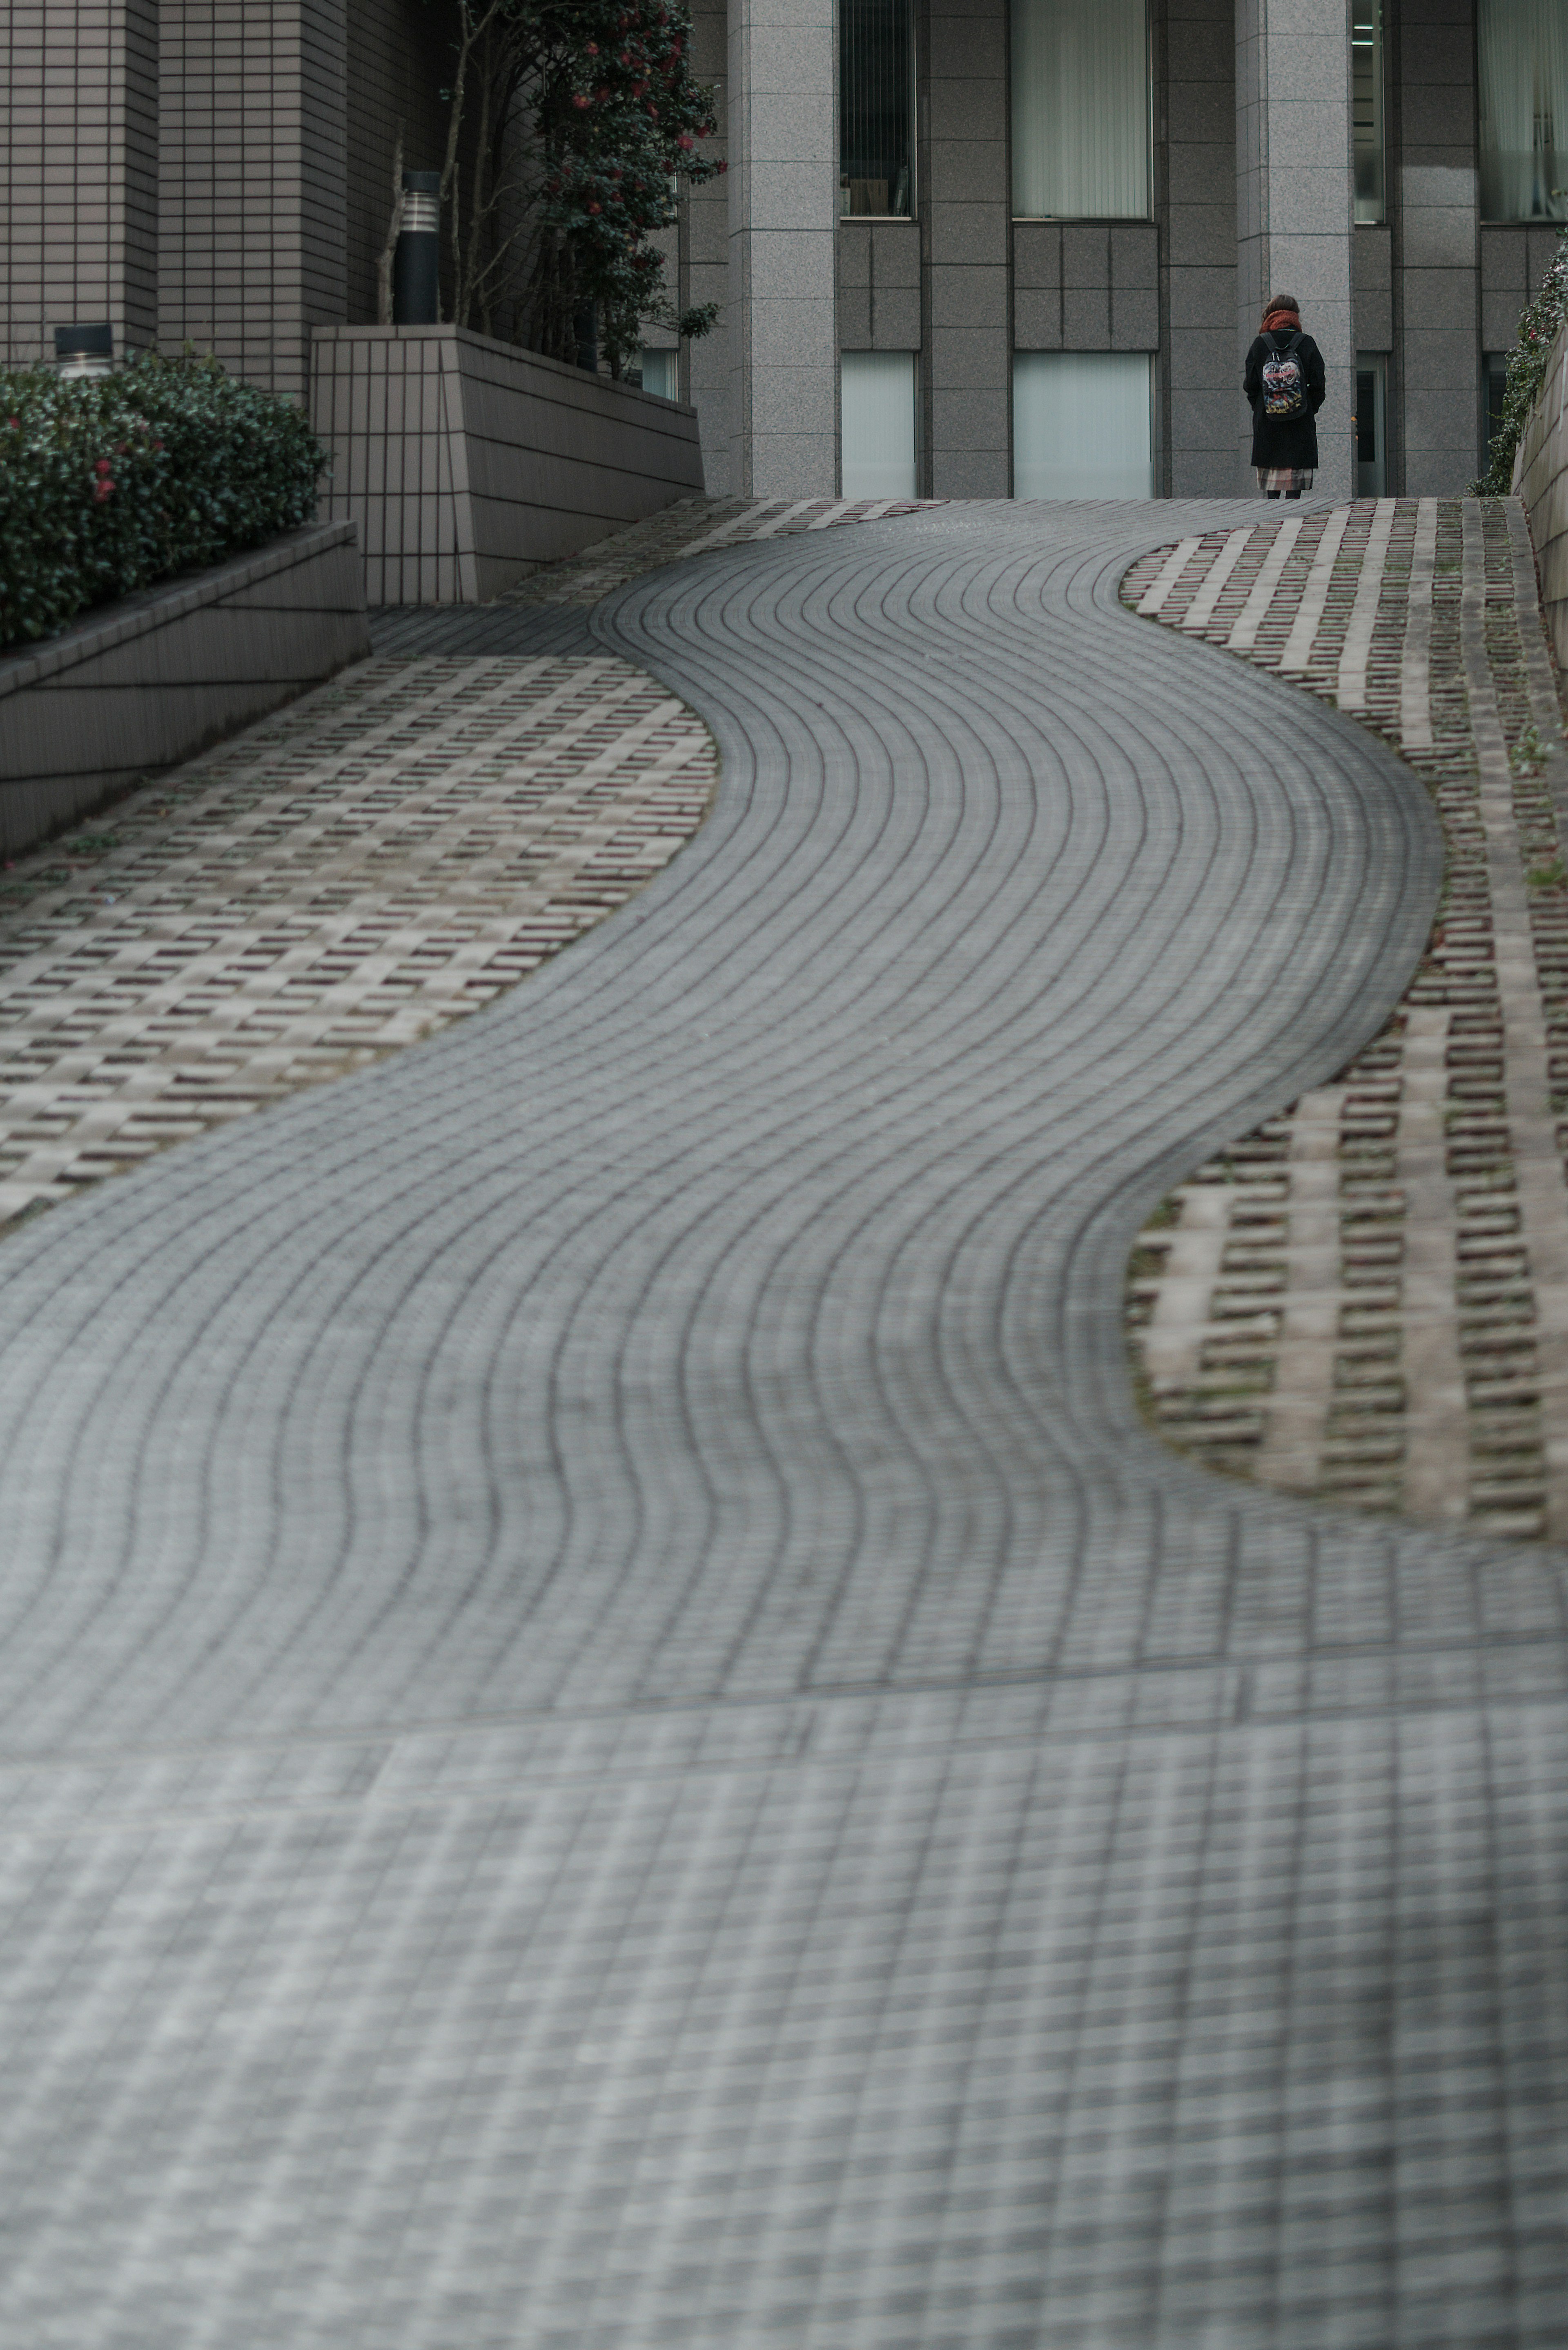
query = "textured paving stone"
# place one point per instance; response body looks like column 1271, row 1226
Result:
column 337, row 883
column 615, row 1733
column 1384, row 1321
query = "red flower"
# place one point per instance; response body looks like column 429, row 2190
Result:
column 103, row 466
column 580, row 102
column 593, row 208
column 593, row 48
column 684, row 140
column 102, row 490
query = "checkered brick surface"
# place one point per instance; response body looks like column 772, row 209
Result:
column 616, row 1736
column 343, row 880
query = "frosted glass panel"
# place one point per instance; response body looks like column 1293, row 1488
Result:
column 1081, row 425
column 1080, row 109
column 1523, row 48
column 877, row 420
column 662, row 373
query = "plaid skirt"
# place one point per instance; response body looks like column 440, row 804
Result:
column 1284, row 477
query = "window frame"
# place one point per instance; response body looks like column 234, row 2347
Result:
column 1054, row 219
column 913, row 213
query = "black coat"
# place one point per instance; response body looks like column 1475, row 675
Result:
column 1286, row 440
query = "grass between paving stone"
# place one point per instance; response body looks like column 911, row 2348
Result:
column 1222, row 1417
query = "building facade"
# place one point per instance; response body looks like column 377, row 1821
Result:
column 964, row 248
column 985, row 248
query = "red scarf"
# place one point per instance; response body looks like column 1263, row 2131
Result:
column 1287, row 322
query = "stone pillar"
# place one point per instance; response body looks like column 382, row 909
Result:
column 254, row 182
column 782, row 104
column 1437, row 276
column 704, row 261
column 78, row 197
column 1198, row 257
column 966, row 205
column 1295, row 195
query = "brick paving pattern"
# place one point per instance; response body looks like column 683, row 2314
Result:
column 617, row 1735
column 1366, row 1298
column 695, row 527
column 346, row 879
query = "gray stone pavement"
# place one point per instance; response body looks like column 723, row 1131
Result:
column 615, row 1733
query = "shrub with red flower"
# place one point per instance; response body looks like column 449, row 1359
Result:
column 561, row 168
column 108, row 485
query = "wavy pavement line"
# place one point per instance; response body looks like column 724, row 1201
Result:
column 736, row 1306
column 616, row 1735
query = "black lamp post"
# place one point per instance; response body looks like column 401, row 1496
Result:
column 416, row 263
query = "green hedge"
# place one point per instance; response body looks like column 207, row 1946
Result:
column 1538, row 328
column 110, row 483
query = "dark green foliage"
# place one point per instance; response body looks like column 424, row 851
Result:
column 1538, row 328
column 578, row 118
column 108, row 485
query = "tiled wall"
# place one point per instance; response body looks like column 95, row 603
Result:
column 254, row 180
column 78, row 163
column 879, row 286
column 467, row 464
column 1085, row 286
column 136, row 687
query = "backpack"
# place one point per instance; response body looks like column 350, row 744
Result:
column 1284, row 392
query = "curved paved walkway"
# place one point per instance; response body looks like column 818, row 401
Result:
column 617, row 1736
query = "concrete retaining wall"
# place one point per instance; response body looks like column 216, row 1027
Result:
column 1540, row 479
column 138, row 685
column 468, row 464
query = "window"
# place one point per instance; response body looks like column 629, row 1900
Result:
column 1367, row 102
column 876, row 424
column 876, row 107
column 1082, row 424
column 1523, row 47
column 1371, row 426
column 1081, row 97
column 662, row 373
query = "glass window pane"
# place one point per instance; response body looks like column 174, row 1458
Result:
column 876, row 424
column 1371, row 425
column 661, row 372
column 1367, row 99
column 1523, row 47
column 1080, row 109
column 876, row 91
column 1082, row 426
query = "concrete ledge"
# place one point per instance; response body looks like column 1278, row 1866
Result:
column 468, row 464
column 1540, row 479
column 139, row 685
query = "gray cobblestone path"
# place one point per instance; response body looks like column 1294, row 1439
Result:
column 616, row 1736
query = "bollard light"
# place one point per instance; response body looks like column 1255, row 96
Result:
column 416, row 263
column 85, row 351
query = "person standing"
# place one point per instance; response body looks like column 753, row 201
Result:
column 1285, row 386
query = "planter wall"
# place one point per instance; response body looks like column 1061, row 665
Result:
column 139, row 685
column 468, row 464
column 1540, row 479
